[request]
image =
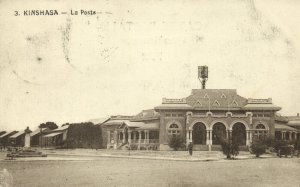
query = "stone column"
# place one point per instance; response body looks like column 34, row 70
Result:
column 140, row 137
column 129, row 136
column 191, row 135
column 187, row 137
column 290, row 138
column 124, row 137
column 207, row 137
column 247, row 138
column 250, row 136
column 115, row 139
column 227, row 135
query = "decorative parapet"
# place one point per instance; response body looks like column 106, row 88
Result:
column 173, row 101
column 227, row 114
column 260, row 101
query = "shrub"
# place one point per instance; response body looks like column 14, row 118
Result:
column 297, row 145
column 230, row 148
column 176, row 142
column 269, row 141
column 258, row 148
column 279, row 143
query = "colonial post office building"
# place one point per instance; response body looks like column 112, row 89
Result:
column 203, row 117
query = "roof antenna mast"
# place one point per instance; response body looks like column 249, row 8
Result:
column 203, row 75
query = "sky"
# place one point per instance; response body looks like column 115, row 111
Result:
column 131, row 54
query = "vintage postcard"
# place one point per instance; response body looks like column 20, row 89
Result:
column 149, row 93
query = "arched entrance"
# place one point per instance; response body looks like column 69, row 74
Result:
column 218, row 133
column 239, row 133
column 199, row 133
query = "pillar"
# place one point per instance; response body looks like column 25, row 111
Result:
column 247, row 138
column 124, row 137
column 115, row 139
column 187, row 137
column 207, row 137
column 290, row 138
column 282, row 135
column 140, row 137
column 134, row 136
column 250, row 136
column 129, row 136
column 191, row 135
column 227, row 135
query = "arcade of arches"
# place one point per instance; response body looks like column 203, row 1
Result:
column 200, row 134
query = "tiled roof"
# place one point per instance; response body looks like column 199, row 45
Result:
column 215, row 99
column 284, row 127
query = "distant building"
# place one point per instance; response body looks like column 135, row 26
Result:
column 287, row 128
column 35, row 136
column 56, row 137
column 17, row 139
column 4, row 141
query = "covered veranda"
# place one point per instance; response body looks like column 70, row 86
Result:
column 134, row 135
column 286, row 133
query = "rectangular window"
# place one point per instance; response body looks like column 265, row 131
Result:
column 168, row 115
column 173, row 115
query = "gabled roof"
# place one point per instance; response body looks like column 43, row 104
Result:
column 53, row 134
column 62, row 128
column 2, row 132
column 9, row 133
column 38, row 130
column 17, row 134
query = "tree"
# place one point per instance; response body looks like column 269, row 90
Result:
column 176, row 142
column 84, row 135
column 230, row 148
column 258, row 148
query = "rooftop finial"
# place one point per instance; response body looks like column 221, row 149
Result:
column 203, row 75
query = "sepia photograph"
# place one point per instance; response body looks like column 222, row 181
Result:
column 171, row 93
